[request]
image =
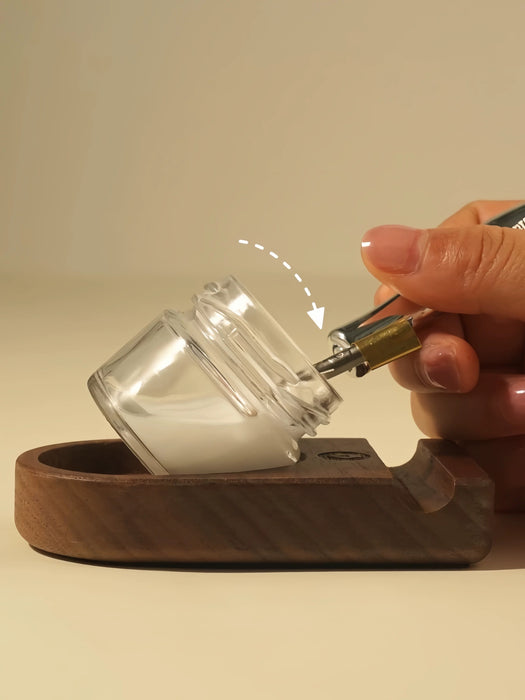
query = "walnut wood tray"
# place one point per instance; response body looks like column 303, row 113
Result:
column 338, row 505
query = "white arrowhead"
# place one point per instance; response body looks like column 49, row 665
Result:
column 317, row 315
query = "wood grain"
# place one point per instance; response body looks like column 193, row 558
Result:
column 338, row 505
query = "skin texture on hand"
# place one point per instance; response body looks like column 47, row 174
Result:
column 467, row 381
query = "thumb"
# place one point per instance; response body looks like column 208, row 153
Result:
column 470, row 270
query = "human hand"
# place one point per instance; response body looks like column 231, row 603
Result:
column 467, row 381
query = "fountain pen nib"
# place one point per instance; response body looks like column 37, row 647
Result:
column 341, row 361
column 388, row 340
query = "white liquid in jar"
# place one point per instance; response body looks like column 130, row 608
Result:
column 208, row 435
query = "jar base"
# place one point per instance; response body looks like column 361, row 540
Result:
column 102, row 398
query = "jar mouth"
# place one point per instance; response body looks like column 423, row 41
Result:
column 261, row 355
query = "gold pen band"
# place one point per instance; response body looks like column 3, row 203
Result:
column 387, row 344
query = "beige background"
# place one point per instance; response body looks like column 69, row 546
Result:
column 147, row 137
column 139, row 142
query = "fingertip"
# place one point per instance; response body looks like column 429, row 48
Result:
column 450, row 366
column 392, row 250
column 493, row 409
column 445, row 364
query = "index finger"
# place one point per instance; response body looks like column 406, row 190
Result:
column 479, row 212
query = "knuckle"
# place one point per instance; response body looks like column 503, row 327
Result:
column 474, row 208
column 473, row 205
column 484, row 255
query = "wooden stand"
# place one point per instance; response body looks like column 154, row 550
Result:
column 338, row 505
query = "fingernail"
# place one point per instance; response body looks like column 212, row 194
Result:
column 394, row 249
column 439, row 368
column 513, row 412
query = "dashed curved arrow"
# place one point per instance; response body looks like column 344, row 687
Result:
column 316, row 313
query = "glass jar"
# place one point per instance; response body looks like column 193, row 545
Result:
column 218, row 388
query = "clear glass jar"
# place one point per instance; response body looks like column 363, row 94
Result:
column 218, row 388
